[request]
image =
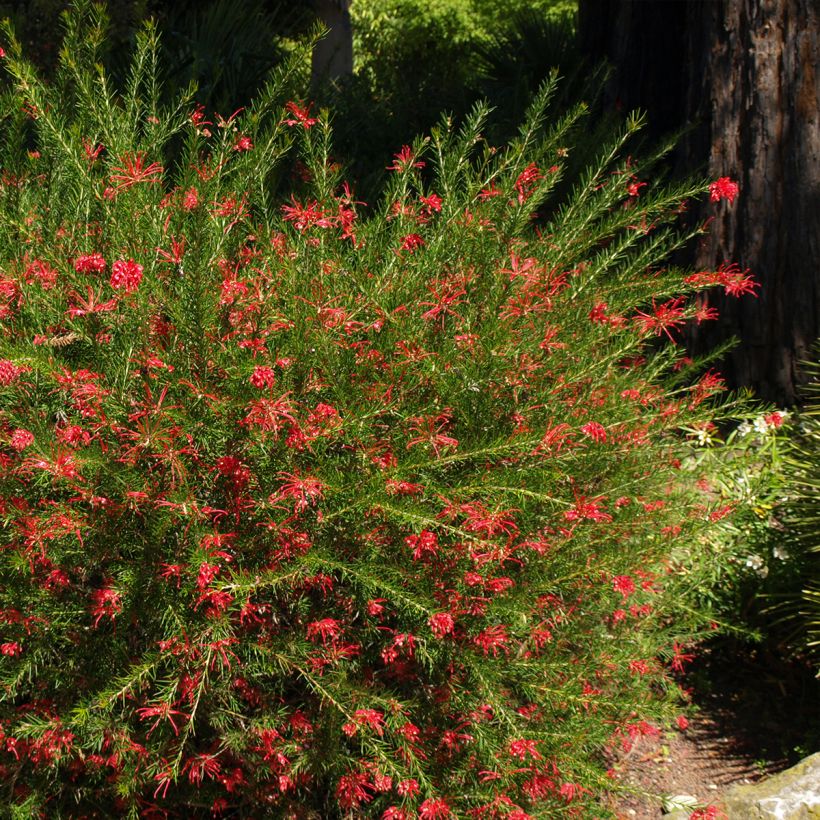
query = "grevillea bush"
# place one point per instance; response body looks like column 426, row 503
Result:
column 312, row 509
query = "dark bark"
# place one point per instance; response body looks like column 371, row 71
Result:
column 744, row 73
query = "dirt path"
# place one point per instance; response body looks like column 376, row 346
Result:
column 755, row 715
column 699, row 763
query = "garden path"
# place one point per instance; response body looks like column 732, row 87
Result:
column 756, row 715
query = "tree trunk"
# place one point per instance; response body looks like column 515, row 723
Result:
column 332, row 56
column 744, row 73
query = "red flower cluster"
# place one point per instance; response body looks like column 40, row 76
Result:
column 126, row 275
column 723, row 188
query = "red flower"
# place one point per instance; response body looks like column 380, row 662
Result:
column 201, row 765
column 375, row 607
column 326, row 629
column 190, row 199
column 303, row 216
column 395, row 487
column 441, row 624
column 305, row 490
column 405, row 159
column 432, row 202
column 263, row 377
column 408, row 787
column 107, row 604
column 680, row 658
column 639, row 667
column 423, row 545
column 434, row 809
column 90, row 304
column 89, row 263
column 126, row 275
column 663, row 317
column 301, row 116
column 587, row 510
column 207, row 572
column 430, row 429
column 569, row 791
column 598, row 314
column 493, row 639
column 623, row 584
column 707, row 813
column 353, row 789
column 723, row 188
column 774, row 419
column 243, row 143
column 634, row 187
column 704, row 313
column 92, row 150
column 489, row 193
column 526, row 182
column 134, row 170
column 20, row 439
column 371, row 718
column 595, row 431
column 43, row 273
column 489, row 524
column 735, row 281
column 522, row 749
column 162, row 711
column 411, row 242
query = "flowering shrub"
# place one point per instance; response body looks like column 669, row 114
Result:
column 315, row 510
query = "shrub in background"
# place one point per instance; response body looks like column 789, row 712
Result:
column 414, row 59
column 750, row 557
column 800, row 512
column 756, row 579
column 316, row 510
column 760, row 579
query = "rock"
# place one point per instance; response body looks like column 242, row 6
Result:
column 790, row 795
column 672, row 805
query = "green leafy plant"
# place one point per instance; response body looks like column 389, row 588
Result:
column 801, row 511
column 750, row 562
column 318, row 510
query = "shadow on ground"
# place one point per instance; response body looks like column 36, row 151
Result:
column 753, row 713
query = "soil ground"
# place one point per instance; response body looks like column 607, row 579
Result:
column 754, row 714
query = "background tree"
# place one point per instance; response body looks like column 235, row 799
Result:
column 744, row 75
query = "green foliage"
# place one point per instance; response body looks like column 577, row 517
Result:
column 413, row 60
column 228, row 48
column 800, row 513
column 761, row 577
column 750, row 562
column 311, row 509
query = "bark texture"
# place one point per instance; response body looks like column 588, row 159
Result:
column 744, row 74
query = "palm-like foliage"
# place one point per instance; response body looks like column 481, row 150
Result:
column 228, row 48
column 522, row 54
column 802, row 510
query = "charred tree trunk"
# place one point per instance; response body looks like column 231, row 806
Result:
column 744, row 74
